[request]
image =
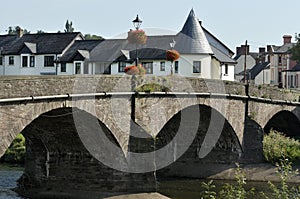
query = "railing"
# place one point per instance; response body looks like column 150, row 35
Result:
column 159, row 94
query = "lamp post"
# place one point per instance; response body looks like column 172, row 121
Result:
column 172, row 45
column 137, row 22
column 1, row 51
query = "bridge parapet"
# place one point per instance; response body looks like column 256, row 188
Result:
column 25, row 86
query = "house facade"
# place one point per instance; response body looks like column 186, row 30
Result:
column 201, row 54
column 281, row 63
column 34, row 54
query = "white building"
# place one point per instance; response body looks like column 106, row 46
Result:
column 201, row 54
column 34, row 54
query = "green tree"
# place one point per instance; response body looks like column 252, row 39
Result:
column 13, row 30
column 40, row 31
column 92, row 37
column 69, row 26
column 296, row 49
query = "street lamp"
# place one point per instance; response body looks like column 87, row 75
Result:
column 137, row 22
column 1, row 59
column 172, row 45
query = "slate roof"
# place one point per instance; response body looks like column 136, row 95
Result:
column 255, row 70
column 254, row 55
column 223, row 58
column 80, row 47
column 215, row 42
column 5, row 40
column 192, row 39
column 283, row 49
column 44, row 43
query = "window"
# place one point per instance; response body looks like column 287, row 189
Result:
column 49, row 61
column 148, row 66
column 197, row 67
column 1, row 60
column 24, row 61
column 63, row 67
column 107, row 69
column 32, row 61
column 279, row 59
column 11, row 60
column 226, row 69
column 162, row 66
column 78, row 68
column 176, row 66
column 122, row 66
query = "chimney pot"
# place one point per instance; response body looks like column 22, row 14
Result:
column 19, row 31
column 287, row 39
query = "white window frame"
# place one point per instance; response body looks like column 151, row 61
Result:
column 197, row 70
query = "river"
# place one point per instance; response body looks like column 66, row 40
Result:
column 175, row 189
column 8, row 180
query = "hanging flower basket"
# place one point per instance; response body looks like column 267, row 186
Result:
column 172, row 55
column 135, row 70
column 137, row 37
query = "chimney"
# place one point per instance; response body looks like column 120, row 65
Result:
column 269, row 48
column 242, row 50
column 262, row 50
column 287, row 39
column 19, row 32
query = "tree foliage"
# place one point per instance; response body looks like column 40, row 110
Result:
column 92, row 37
column 13, row 30
column 296, row 49
column 69, row 26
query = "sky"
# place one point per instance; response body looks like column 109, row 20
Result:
column 260, row 22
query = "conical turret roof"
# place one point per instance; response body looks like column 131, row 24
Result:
column 192, row 39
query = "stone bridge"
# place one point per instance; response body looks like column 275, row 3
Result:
column 119, row 133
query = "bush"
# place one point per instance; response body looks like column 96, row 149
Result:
column 284, row 191
column 277, row 147
column 15, row 153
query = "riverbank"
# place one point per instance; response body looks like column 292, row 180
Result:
column 262, row 172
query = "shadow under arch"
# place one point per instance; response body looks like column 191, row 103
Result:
column 57, row 161
column 226, row 151
column 285, row 122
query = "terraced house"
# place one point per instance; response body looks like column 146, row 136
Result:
column 201, row 54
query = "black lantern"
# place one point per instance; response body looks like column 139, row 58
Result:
column 137, row 22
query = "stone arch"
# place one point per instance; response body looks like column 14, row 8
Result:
column 227, row 148
column 284, row 121
column 15, row 117
column 152, row 113
column 263, row 113
column 56, row 155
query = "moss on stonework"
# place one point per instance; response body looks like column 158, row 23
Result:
column 152, row 87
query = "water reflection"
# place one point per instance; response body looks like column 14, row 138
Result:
column 8, row 180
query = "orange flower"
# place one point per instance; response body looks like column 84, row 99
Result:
column 137, row 37
column 135, row 70
column 172, row 55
